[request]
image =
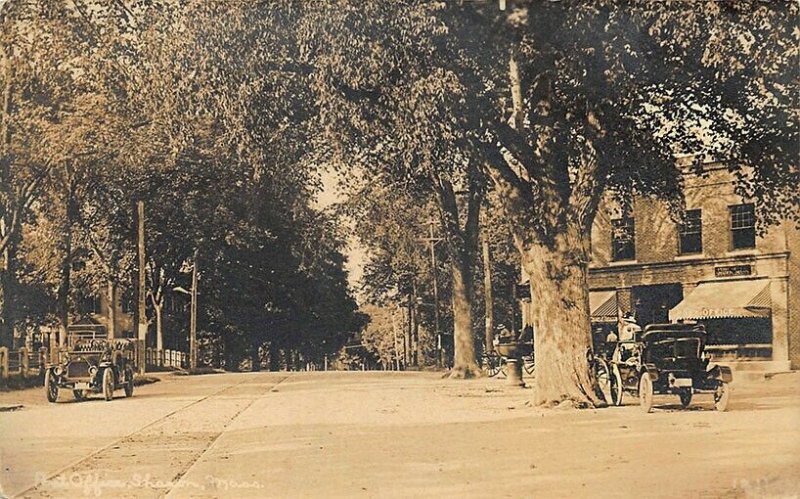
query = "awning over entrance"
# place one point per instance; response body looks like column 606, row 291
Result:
column 725, row 299
column 603, row 305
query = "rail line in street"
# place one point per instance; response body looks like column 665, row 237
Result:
column 186, row 433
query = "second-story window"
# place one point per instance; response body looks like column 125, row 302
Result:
column 743, row 226
column 623, row 246
column 691, row 233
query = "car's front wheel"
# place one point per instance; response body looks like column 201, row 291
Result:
column 51, row 385
column 686, row 397
column 721, row 396
column 128, row 382
column 108, row 383
column 646, row 392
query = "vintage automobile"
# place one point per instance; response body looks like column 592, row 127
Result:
column 93, row 365
column 667, row 359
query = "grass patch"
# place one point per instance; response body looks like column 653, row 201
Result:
column 16, row 382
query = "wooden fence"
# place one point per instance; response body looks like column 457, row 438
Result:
column 22, row 362
column 166, row 358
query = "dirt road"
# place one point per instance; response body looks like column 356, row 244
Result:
column 401, row 435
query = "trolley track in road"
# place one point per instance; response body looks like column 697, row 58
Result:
column 146, row 443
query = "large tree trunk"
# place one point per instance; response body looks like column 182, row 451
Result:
column 465, row 365
column 158, row 308
column 8, row 287
column 488, row 333
column 112, row 309
column 66, row 265
column 561, row 320
column 274, row 357
column 255, row 357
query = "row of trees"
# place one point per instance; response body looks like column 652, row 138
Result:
column 555, row 106
column 107, row 103
column 546, row 108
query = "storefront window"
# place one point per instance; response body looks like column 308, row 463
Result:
column 691, row 233
column 622, row 239
column 743, row 226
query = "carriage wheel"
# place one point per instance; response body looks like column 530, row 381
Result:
column 616, row 385
column 491, row 364
column 603, row 376
column 686, row 397
column 51, row 385
column 721, row 396
column 646, row 392
column 529, row 364
column 108, row 383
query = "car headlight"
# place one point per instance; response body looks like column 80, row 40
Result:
column 92, row 370
column 58, row 370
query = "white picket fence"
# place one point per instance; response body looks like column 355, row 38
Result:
column 166, row 358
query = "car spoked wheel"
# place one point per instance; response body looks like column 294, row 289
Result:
column 721, row 396
column 686, row 397
column 128, row 382
column 108, row 383
column 646, row 392
column 51, row 385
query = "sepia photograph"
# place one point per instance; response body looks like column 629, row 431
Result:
column 399, row 248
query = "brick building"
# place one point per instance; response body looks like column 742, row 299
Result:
column 714, row 268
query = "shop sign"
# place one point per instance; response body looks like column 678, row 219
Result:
column 719, row 312
column 733, row 271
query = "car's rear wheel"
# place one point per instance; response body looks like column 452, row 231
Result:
column 646, row 392
column 128, row 382
column 51, row 385
column 721, row 396
column 686, row 397
column 79, row 395
column 108, row 383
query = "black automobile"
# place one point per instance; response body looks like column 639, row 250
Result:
column 667, row 359
column 93, row 366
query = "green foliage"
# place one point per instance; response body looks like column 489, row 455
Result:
column 196, row 108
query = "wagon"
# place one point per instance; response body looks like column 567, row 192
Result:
column 494, row 363
column 667, row 359
column 93, row 365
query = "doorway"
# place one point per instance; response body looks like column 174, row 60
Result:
column 651, row 304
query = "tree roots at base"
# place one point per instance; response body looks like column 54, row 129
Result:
column 468, row 372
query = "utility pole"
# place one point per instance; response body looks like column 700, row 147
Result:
column 396, row 348
column 6, row 275
column 410, row 334
column 141, row 303
column 431, row 240
column 193, row 318
column 488, row 296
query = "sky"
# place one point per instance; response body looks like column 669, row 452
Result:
column 356, row 255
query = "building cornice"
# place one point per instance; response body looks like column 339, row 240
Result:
column 621, row 267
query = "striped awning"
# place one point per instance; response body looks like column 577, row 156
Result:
column 725, row 299
column 603, row 305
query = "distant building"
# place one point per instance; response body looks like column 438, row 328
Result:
column 97, row 307
column 714, row 268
